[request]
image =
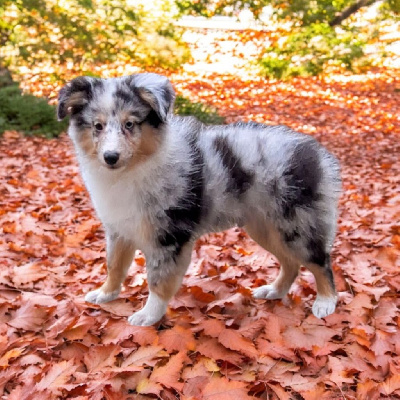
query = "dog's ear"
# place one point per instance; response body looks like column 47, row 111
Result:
column 157, row 91
column 74, row 96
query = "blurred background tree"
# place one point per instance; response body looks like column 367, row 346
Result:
column 310, row 36
column 53, row 40
column 76, row 35
column 86, row 31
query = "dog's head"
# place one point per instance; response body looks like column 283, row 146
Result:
column 119, row 120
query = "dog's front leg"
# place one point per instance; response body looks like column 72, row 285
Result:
column 119, row 258
column 165, row 272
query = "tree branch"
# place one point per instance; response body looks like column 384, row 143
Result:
column 351, row 10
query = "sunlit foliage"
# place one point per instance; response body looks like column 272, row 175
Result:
column 318, row 34
column 85, row 31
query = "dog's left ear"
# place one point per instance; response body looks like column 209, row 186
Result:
column 157, row 91
column 74, row 96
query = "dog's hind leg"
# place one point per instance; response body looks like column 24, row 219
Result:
column 289, row 270
column 164, row 277
column 325, row 302
column 119, row 258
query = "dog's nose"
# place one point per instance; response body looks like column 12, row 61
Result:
column 111, row 157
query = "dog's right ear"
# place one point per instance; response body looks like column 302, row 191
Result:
column 74, row 96
column 157, row 91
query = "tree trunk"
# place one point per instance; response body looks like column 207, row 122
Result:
column 350, row 11
column 5, row 77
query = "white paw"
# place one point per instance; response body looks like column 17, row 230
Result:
column 98, row 296
column 323, row 306
column 142, row 318
column 268, row 292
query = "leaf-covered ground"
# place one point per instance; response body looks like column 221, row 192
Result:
column 216, row 342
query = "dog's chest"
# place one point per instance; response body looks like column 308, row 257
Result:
column 115, row 198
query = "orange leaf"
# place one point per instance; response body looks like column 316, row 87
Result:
column 58, row 375
column 177, row 338
column 233, row 340
column 13, row 353
column 220, row 388
column 169, row 374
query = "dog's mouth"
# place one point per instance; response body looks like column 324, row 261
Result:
column 113, row 167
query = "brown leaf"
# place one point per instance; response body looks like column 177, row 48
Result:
column 169, row 374
column 222, row 389
column 177, row 338
column 145, row 355
column 233, row 340
column 99, row 358
column 29, row 317
column 57, row 375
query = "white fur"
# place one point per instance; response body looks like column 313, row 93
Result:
column 98, row 296
column 324, row 306
column 151, row 313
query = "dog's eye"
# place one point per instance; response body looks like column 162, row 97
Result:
column 129, row 125
column 98, row 126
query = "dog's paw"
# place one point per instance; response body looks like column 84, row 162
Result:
column 142, row 318
column 98, row 296
column 323, row 306
column 268, row 292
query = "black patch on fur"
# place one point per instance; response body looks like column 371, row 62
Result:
column 123, row 95
column 239, row 179
column 328, row 272
column 77, row 85
column 97, row 84
column 260, row 149
column 291, row 236
column 302, row 175
column 187, row 213
column 81, row 122
column 316, row 247
column 169, row 95
column 153, row 119
column 249, row 124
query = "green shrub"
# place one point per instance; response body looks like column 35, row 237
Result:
column 28, row 114
column 202, row 112
column 310, row 50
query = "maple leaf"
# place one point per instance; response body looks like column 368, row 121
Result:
column 100, row 357
column 57, row 375
column 368, row 390
column 223, row 389
column 234, row 340
column 211, row 327
column 177, row 338
column 145, row 355
column 13, row 353
column 169, row 374
column 338, row 372
column 29, row 317
column 381, row 344
column 211, row 348
column 391, row 384
column 30, row 272
column 306, row 337
column 79, row 329
column 148, row 387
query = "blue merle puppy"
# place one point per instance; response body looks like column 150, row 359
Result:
column 159, row 181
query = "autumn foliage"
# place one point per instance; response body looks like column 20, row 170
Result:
column 216, row 341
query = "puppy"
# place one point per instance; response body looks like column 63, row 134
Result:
column 159, row 181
